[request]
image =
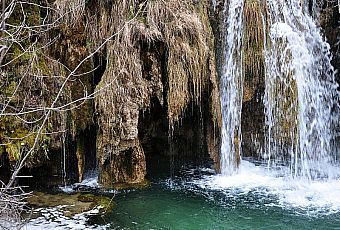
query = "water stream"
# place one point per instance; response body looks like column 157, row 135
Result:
column 301, row 97
column 231, row 87
column 301, row 93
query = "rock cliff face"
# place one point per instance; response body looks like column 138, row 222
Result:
column 141, row 84
column 330, row 22
column 140, row 79
column 164, row 55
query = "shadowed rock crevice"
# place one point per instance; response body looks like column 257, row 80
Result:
column 167, row 150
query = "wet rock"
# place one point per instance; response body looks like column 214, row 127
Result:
column 73, row 204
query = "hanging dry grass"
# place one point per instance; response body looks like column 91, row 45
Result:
column 69, row 12
column 175, row 24
column 186, row 38
column 182, row 32
column 253, row 51
column 120, row 102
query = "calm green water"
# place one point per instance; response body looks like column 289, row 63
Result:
column 196, row 198
column 162, row 208
column 252, row 199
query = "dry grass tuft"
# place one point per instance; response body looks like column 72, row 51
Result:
column 185, row 35
column 69, row 12
column 253, row 51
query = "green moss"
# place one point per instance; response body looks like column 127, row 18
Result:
column 29, row 12
column 17, row 138
column 106, row 205
column 17, row 56
column 86, row 198
column 10, row 88
column 102, row 202
column 33, row 15
column 41, row 64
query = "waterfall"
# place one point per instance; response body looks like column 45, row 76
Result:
column 301, row 97
column 301, row 93
column 213, row 3
column 231, row 86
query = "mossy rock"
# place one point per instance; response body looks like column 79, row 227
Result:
column 104, row 203
column 87, row 198
column 72, row 204
column 18, row 137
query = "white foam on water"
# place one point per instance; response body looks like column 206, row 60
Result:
column 67, row 189
column 319, row 197
column 90, row 182
column 54, row 218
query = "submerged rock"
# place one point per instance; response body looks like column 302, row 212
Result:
column 73, row 204
column 123, row 186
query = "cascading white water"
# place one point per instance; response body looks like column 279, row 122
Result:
column 231, row 87
column 301, row 93
column 213, row 3
column 301, row 110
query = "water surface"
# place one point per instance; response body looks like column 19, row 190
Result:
column 254, row 198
